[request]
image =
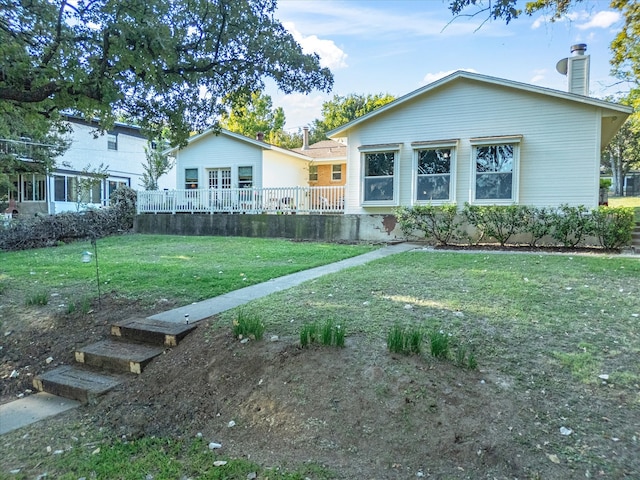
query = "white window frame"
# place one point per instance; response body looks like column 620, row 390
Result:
column 336, row 175
column 514, row 140
column 451, row 145
column 383, row 148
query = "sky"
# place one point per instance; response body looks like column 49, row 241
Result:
column 397, row 46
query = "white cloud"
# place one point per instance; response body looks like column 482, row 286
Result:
column 538, row 76
column 432, row 77
column 300, row 109
column 330, row 54
column 603, row 19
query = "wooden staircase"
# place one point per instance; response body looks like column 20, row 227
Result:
column 635, row 238
column 103, row 365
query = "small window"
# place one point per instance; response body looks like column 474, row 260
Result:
column 245, row 177
column 112, row 141
column 313, row 173
column 191, row 178
column 336, row 173
column 378, row 176
column 113, row 185
column 433, row 181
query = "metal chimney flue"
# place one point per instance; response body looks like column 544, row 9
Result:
column 305, row 138
column 579, row 49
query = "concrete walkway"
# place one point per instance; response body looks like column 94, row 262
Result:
column 30, row 409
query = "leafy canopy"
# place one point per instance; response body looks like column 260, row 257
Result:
column 343, row 109
column 255, row 116
column 154, row 62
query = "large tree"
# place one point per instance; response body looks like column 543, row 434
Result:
column 343, row 109
column 623, row 152
column 256, row 116
column 155, row 62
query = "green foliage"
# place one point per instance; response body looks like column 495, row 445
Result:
column 329, row 333
column 440, row 344
column 570, row 225
column 37, row 298
column 537, row 222
column 151, row 62
column 255, row 116
column 404, row 340
column 605, row 183
column 465, row 358
column 342, row 109
column 496, row 221
column 248, row 325
column 613, row 226
column 436, row 222
column 123, row 203
column 156, row 164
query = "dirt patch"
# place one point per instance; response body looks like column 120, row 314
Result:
column 359, row 411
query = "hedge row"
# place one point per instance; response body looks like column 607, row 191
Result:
column 519, row 224
column 45, row 231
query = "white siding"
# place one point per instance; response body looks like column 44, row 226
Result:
column 219, row 151
column 282, row 170
column 559, row 150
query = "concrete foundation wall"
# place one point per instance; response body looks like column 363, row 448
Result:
column 330, row 228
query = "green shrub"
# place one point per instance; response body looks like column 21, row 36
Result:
column 247, row 325
column 474, row 215
column 613, row 226
column 570, row 225
column 502, row 221
column 439, row 223
column 537, row 222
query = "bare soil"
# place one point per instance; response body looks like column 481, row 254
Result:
column 359, row 411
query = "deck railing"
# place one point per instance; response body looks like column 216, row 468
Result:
column 244, row 200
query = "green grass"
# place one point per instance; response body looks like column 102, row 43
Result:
column 151, row 267
column 161, row 459
column 248, row 325
column 627, row 202
column 550, row 324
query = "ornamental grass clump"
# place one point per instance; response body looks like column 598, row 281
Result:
column 404, row 340
column 247, row 325
column 328, row 334
column 37, row 298
column 440, row 344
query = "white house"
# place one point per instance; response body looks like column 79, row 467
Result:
column 119, row 152
column 478, row 139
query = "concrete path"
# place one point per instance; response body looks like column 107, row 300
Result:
column 27, row 410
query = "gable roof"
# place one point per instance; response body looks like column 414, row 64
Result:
column 614, row 108
column 325, row 150
column 237, row 136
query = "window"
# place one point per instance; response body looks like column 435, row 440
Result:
column 433, row 174
column 495, row 170
column 33, row 188
column 112, row 141
column 113, row 185
column 379, row 169
column 313, row 173
column 191, row 178
column 65, row 189
column 245, row 177
column 336, row 172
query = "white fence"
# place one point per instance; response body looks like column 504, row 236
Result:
column 244, row 200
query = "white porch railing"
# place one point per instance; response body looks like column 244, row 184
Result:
column 244, row 200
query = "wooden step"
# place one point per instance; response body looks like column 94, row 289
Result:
column 76, row 383
column 152, row 331
column 118, row 356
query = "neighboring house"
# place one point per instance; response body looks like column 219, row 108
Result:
column 121, row 152
column 328, row 165
column 221, row 159
column 478, row 139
